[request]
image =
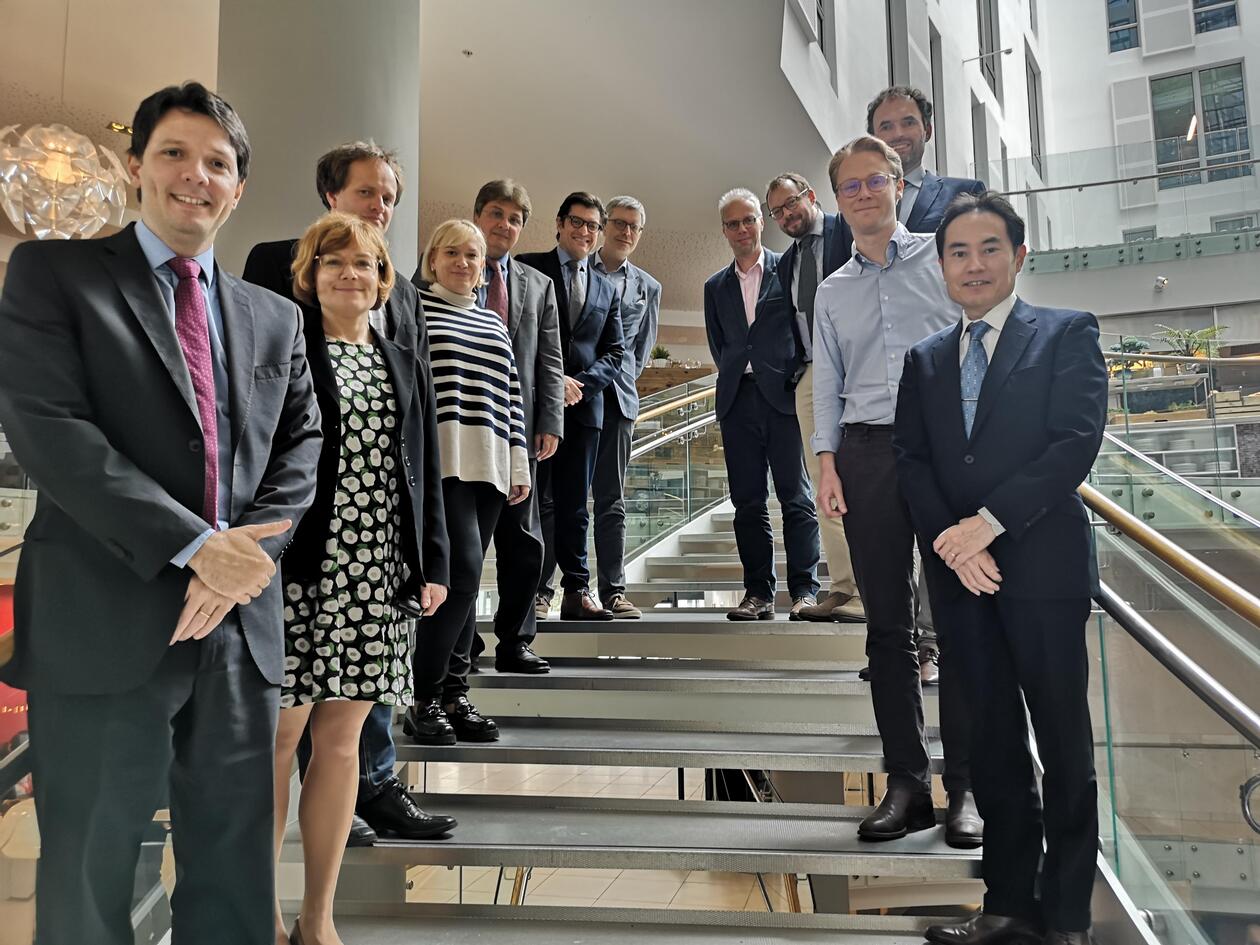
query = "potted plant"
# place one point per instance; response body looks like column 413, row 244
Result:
column 1191, row 343
column 660, row 356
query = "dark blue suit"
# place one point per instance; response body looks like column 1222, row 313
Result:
column 935, row 194
column 1039, row 422
column 593, row 351
column 757, row 413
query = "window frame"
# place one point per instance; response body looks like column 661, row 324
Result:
column 1036, row 110
column 1203, row 160
column 1135, row 26
column 988, row 13
column 1213, row 6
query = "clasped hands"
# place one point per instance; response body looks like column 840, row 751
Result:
column 572, row 391
column 229, row 568
column 964, row 548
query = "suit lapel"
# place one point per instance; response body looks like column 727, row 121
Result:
column 784, row 269
column 734, row 297
column 1018, row 331
column 928, row 193
column 769, row 275
column 129, row 267
column 517, row 289
column 238, row 329
column 398, row 360
column 949, row 375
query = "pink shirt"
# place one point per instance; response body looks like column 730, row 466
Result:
column 750, row 286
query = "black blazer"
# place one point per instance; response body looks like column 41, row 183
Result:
column 593, row 348
column 1039, row 423
column 97, row 402
column 768, row 344
column 425, row 546
column 837, row 248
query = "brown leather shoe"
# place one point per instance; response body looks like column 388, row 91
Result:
column 964, row 830
column 821, row 610
column 929, row 668
column 752, row 608
column 580, row 605
column 621, row 608
column 542, row 607
column 800, row 603
column 851, row 611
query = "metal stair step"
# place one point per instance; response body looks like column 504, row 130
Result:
column 691, row 620
column 598, row 833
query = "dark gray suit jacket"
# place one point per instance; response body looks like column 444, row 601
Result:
column 99, row 407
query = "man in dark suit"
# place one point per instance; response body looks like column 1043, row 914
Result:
column 999, row 418
column 366, row 180
column 818, row 249
column 639, row 301
column 164, row 410
column 590, row 338
column 748, row 323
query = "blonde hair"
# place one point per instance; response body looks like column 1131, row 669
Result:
column 452, row 233
column 864, row 143
column 331, row 232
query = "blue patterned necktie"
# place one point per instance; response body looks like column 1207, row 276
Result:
column 975, row 363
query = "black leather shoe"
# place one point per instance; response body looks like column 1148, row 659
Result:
column 902, row 811
column 469, row 724
column 393, row 813
column 864, row 674
column 1054, row 937
column 983, row 929
column 361, row 833
column 520, row 660
column 964, row 830
column 428, row 725
column 752, row 607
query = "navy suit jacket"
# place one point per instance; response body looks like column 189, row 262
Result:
column 768, row 344
column 593, row 348
column 1039, row 423
column 837, row 248
column 934, row 196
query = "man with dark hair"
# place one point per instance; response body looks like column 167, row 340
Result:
column 999, row 418
column 364, row 179
column 590, row 337
column 164, row 410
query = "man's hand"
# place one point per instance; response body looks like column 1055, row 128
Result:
column 572, row 391
column 979, row 574
column 545, row 445
column 959, row 543
column 830, row 498
column 517, row 495
column 431, row 598
column 233, row 564
column 203, row 611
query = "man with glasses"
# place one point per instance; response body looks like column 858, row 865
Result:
column 889, row 296
column 820, row 246
column 639, row 300
column 590, row 339
column 748, row 322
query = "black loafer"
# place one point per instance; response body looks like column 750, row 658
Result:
column 520, row 660
column 902, row 811
column 964, row 830
column 428, row 725
column 393, row 813
column 984, row 929
column 469, row 724
column 361, row 833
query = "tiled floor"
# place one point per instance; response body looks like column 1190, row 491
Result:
column 642, row 889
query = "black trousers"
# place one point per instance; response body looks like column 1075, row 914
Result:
column 472, row 510
column 200, row 735
column 564, row 484
column 1032, row 652
column 881, row 544
column 757, row 438
column 610, row 499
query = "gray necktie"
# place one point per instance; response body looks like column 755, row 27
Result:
column 975, row 364
column 577, row 291
column 807, row 284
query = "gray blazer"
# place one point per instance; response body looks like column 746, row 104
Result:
column 640, row 317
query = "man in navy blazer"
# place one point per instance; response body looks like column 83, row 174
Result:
column 591, row 341
column 748, row 322
column 999, row 419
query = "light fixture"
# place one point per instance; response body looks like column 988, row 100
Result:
column 1194, row 123
column 997, row 52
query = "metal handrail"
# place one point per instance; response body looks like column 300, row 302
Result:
column 1180, row 172
column 1218, row 360
column 675, row 404
column 15, row 766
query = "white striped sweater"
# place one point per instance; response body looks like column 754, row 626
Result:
column 481, row 426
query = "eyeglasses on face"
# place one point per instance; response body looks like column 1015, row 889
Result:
column 361, row 265
column 734, row 226
column 593, row 226
column 876, row 183
column 625, row 226
column 790, row 204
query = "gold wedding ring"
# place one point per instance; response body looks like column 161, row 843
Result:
column 204, row 614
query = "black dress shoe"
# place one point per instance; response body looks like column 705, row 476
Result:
column 393, row 813
column 469, row 724
column 984, row 929
column 361, row 833
column 520, row 660
column 864, row 674
column 964, row 830
column 752, row 607
column 902, row 811
column 428, row 725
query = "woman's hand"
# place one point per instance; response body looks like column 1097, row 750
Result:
column 517, row 495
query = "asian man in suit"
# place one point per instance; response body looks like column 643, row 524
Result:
column 593, row 349
column 164, row 410
column 999, row 419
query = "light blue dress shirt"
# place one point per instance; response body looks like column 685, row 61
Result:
column 158, row 254
column 867, row 315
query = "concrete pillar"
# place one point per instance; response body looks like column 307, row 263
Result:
column 305, row 76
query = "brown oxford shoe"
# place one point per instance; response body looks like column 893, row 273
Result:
column 580, row 605
column 752, row 608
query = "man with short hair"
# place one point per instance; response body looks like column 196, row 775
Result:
column 748, row 323
column 366, row 180
column 867, row 314
column 999, row 418
column 590, row 338
column 818, row 249
column 164, row 409
column 639, row 301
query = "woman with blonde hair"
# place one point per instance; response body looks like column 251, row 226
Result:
column 355, row 556
column 481, row 432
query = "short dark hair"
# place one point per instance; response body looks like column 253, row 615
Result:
column 504, row 189
column 583, row 198
column 899, row 91
column 191, row 97
column 334, row 167
column 988, row 202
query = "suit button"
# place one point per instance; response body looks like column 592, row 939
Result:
column 194, row 446
column 747, row 347
column 406, row 461
column 411, row 480
column 969, row 459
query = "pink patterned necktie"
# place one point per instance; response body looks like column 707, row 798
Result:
column 496, row 292
column 192, row 327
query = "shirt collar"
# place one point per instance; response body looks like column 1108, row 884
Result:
column 901, row 236
column 599, row 264
column 755, row 267
column 565, row 257
column 159, row 254
column 915, row 177
column 505, row 262
column 996, row 316
column 817, row 228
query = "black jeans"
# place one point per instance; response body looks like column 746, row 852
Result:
column 610, row 498
column 564, row 483
column 472, row 510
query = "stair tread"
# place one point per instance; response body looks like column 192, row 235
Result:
column 668, row 674
column 691, row 620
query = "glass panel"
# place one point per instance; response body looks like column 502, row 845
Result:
column 1216, row 16
column 1172, row 104
column 1124, row 38
column 1121, row 12
column 1226, row 139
